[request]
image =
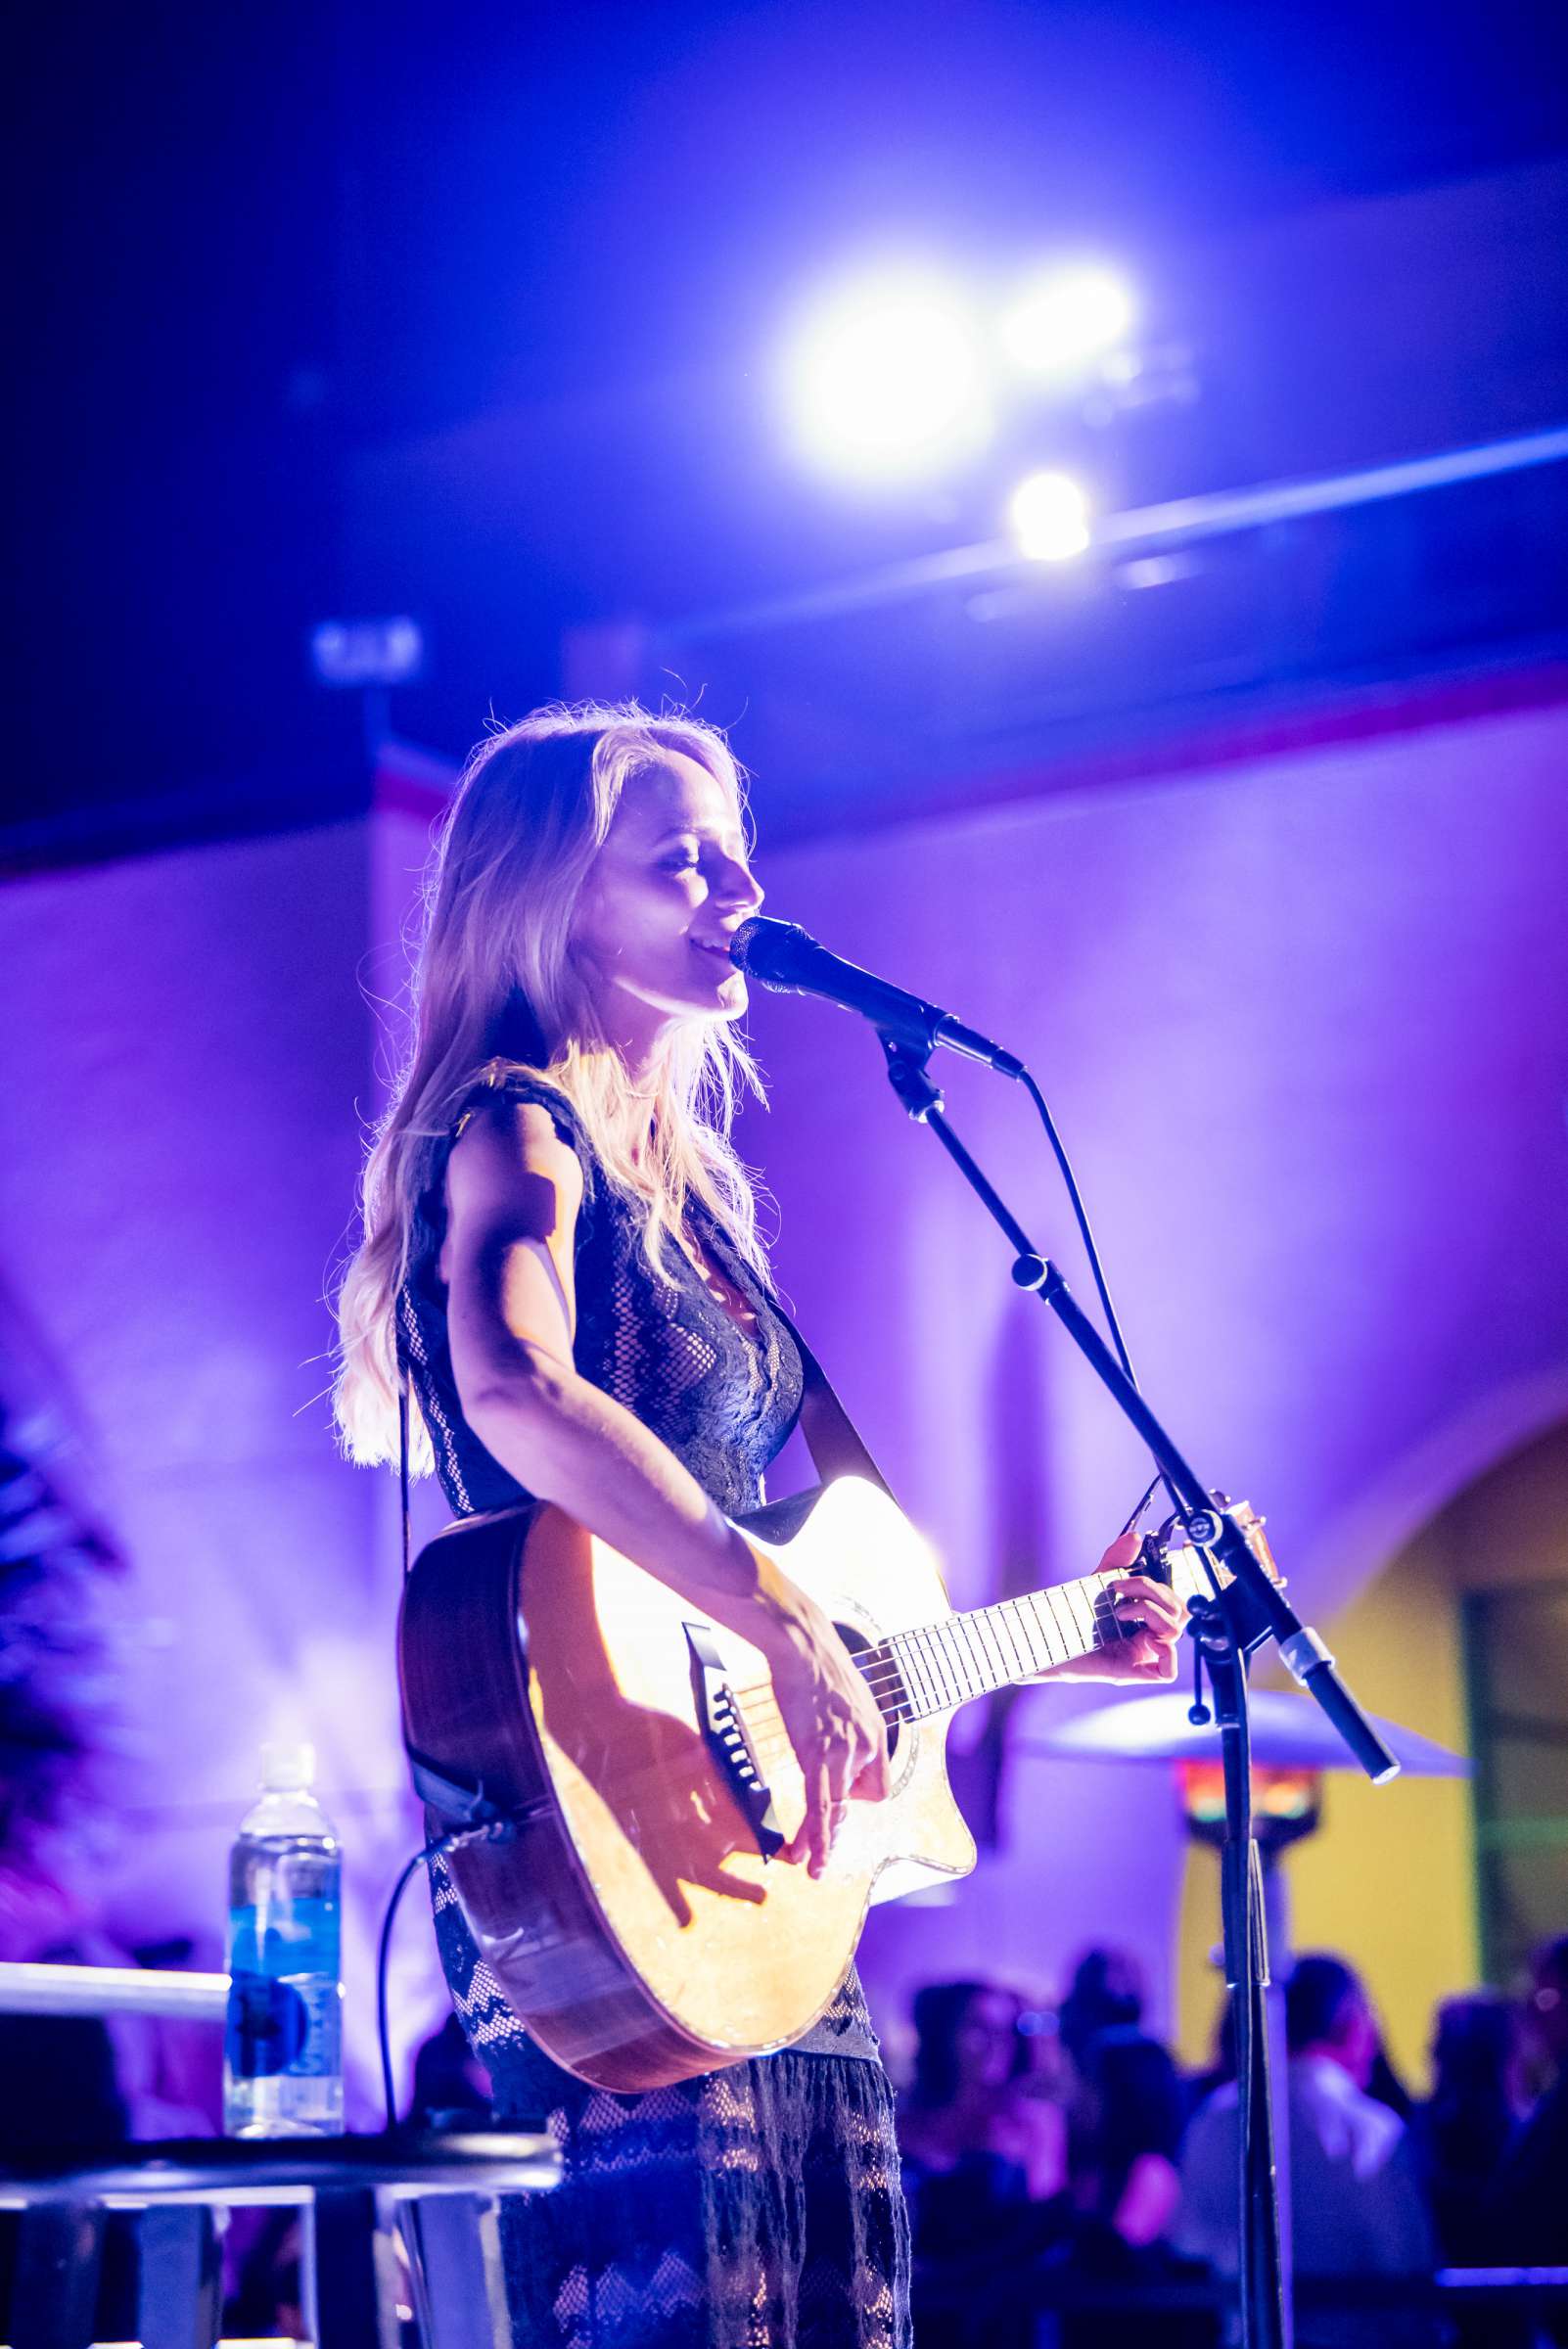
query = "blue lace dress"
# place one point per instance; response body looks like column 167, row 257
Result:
column 756, row 2208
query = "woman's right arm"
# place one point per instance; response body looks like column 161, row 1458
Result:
column 513, row 1191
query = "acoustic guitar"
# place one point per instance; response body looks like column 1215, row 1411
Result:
column 637, row 1913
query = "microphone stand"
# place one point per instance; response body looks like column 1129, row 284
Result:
column 1227, row 1627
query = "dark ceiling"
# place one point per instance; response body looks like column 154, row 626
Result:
column 329, row 308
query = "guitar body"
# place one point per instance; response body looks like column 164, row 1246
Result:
column 636, row 1924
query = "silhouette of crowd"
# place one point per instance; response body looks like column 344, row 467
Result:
column 1068, row 2184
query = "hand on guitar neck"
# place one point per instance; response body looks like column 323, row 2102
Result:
column 1148, row 1652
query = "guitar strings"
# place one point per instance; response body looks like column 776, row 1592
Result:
column 967, row 1627
column 944, row 1666
column 884, row 1672
column 887, row 1677
column 767, row 1722
column 882, row 1669
column 769, row 1735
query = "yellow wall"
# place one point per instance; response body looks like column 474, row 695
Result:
column 1389, row 1879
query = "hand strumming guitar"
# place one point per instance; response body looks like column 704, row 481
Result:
column 838, row 1736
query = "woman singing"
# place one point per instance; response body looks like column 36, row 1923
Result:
column 561, row 1253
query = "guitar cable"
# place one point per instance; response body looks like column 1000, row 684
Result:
column 490, row 1830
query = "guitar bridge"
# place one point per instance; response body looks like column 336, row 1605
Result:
column 729, row 1740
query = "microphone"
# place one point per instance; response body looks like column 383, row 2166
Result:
column 788, row 959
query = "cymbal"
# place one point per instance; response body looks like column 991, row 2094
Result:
column 1285, row 1729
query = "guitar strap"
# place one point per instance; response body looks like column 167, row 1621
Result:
column 834, row 1442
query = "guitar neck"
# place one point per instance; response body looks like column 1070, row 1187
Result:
column 917, row 1674
column 941, row 1665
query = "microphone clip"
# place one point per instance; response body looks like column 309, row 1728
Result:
column 909, row 1077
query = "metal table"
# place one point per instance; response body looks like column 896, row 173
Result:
column 358, row 2193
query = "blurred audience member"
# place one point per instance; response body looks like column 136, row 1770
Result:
column 1123, row 2191
column 1106, row 1995
column 1384, row 2083
column 1126, row 2137
column 1355, row 2202
column 984, row 2139
column 1462, row 2132
column 1533, row 2185
column 982, row 2098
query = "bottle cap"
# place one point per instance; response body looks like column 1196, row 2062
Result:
column 287, row 1766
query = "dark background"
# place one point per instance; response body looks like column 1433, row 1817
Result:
column 273, row 260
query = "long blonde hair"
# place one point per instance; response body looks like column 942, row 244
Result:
column 495, row 987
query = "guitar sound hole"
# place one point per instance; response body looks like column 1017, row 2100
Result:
column 858, row 1646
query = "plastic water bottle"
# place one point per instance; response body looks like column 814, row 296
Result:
column 283, row 2044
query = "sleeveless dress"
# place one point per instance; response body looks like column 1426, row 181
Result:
column 758, row 2207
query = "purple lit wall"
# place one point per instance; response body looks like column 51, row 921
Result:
column 183, row 1062
column 1301, row 1019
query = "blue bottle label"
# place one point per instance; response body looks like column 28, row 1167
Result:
column 267, row 2028
column 283, row 2010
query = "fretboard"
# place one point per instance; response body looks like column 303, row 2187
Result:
column 945, row 1664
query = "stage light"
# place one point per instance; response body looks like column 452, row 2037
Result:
column 1050, row 514
column 368, row 652
column 887, row 377
column 1066, row 318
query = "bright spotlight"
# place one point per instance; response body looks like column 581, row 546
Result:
column 1049, row 516
column 368, row 652
column 1066, row 319
column 888, row 379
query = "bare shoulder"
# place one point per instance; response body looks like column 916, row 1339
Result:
column 508, row 1140
column 509, row 1167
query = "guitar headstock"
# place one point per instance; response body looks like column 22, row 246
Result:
column 1194, row 1571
